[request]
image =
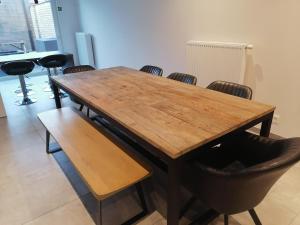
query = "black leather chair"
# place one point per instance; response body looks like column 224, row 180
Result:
column 182, row 77
column 231, row 88
column 78, row 69
column 154, row 70
column 20, row 69
column 53, row 62
column 236, row 176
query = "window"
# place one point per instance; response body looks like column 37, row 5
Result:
column 42, row 19
column 26, row 26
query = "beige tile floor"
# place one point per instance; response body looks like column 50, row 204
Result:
column 35, row 191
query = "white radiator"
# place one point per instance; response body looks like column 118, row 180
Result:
column 211, row 61
column 85, row 49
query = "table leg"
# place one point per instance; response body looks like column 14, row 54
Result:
column 56, row 95
column 174, row 197
column 266, row 126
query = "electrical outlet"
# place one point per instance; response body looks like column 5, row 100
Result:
column 276, row 118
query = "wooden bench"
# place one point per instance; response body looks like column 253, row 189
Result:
column 105, row 167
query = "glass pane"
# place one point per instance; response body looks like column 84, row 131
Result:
column 42, row 19
column 26, row 26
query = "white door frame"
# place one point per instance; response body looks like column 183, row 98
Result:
column 54, row 5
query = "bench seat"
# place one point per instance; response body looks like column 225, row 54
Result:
column 104, row 166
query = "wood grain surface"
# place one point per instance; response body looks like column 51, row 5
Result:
column 172, row 116
column 105, row 167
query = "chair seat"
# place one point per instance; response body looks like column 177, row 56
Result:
column 237, row 175
column 234, row 166
column 215, row 157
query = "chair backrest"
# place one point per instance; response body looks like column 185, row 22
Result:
column 78, row 69
column 17, row 67
column 185, row 78
column 154, row 70
column 53, row 61
column 231, row 88
column 239, row 190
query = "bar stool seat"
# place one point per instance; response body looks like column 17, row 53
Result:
column 53, row 62
column 20, row 69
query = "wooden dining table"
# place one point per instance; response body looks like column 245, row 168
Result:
column 170, row 119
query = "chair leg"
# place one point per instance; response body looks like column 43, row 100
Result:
column 81, row 107
column 88, row 112
column 99, row 213
column 226, row 220
column 255, row 217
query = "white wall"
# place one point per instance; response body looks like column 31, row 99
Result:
column 67, row 23
column 138, row 32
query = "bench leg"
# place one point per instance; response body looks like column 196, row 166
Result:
column 47, row 141
column 141, row 195
column 54, row 148
column 144, row 212
column 99, row 213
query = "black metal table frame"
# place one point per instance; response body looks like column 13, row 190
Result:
column 173, row 165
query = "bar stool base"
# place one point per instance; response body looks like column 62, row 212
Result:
column 27, row 85
column 26, row 101
column 29, row 93
column 47, row 89
column 20, row 91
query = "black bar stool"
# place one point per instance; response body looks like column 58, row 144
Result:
column 19, row 90
column 53, row 62
column 20, row 68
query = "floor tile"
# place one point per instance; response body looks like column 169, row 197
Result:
column 13, row 207
column 35, row 191
column 73, row 213
column 270, row 212
column 19, row 143
column 296, row 221
column 153, row 219
column 31, row 183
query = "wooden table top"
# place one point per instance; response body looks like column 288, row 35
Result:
column 172, row 116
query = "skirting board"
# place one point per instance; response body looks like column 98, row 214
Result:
column 2, row 109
